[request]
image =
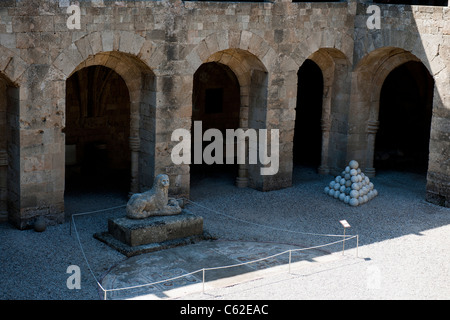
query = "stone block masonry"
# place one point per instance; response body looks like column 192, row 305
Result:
column 157, row 46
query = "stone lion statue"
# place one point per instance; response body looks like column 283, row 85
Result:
column 154, row 202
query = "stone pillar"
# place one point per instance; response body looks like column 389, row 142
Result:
column 372, row 128
column 242, row 179
column 326, row 128
column 134, row 148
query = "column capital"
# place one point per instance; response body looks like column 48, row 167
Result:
column 325, row 124
column 3, row 158
column 372, row 126
column 134, row 144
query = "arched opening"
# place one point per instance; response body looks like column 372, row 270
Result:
column 3, row 150
column 9, row 151
column 308, row 132
column 97, row 131
column 111, row 107
column 405, row 110
column 250, row 76
column 216, row 104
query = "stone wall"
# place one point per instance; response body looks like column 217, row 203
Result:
column 157, row 46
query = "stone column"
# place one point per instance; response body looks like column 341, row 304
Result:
column 242, row 179
column 134, row 148
column 372, row 128
column 326, row 128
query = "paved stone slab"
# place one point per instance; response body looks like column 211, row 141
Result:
column 178, row 262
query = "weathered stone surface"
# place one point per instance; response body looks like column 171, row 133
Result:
column 154, row 202
column 155, row 229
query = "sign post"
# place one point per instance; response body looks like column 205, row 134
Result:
column 346, row 225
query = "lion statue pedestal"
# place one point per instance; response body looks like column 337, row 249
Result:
column 153, row 222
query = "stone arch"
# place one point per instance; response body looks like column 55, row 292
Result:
column 12, row 66
column 247, row 55
column 9, row 150
column 368, row 78
column 141, row 84
column 335, row 69
column 97, row 42
column 245, row 66
column 245, row 42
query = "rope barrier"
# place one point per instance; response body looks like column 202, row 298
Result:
column 265, row 226
column 203, row 270
column 84, row 256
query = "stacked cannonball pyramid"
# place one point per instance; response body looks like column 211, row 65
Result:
column 352, row 187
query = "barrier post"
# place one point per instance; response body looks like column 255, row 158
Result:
column 343, row 244
column 203, row 280
column 357, row 245
column 290, row 254
column 346, row 225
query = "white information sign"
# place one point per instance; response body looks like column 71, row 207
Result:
column 344, row 223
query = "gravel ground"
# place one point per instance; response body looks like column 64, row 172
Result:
column 403, row 241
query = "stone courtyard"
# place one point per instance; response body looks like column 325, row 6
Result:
column 403, row 246
column 99, row 102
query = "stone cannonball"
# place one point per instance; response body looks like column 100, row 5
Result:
column 353, row 172
column 353, row 164
column 40, row 225
column 354, row 194
column 353, row 202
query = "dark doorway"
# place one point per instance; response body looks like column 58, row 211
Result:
column 402, row 141
column 216, row 103
column 97, row 131
column 308, row 132
column 3, row 149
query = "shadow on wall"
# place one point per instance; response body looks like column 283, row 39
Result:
column 392, row 92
